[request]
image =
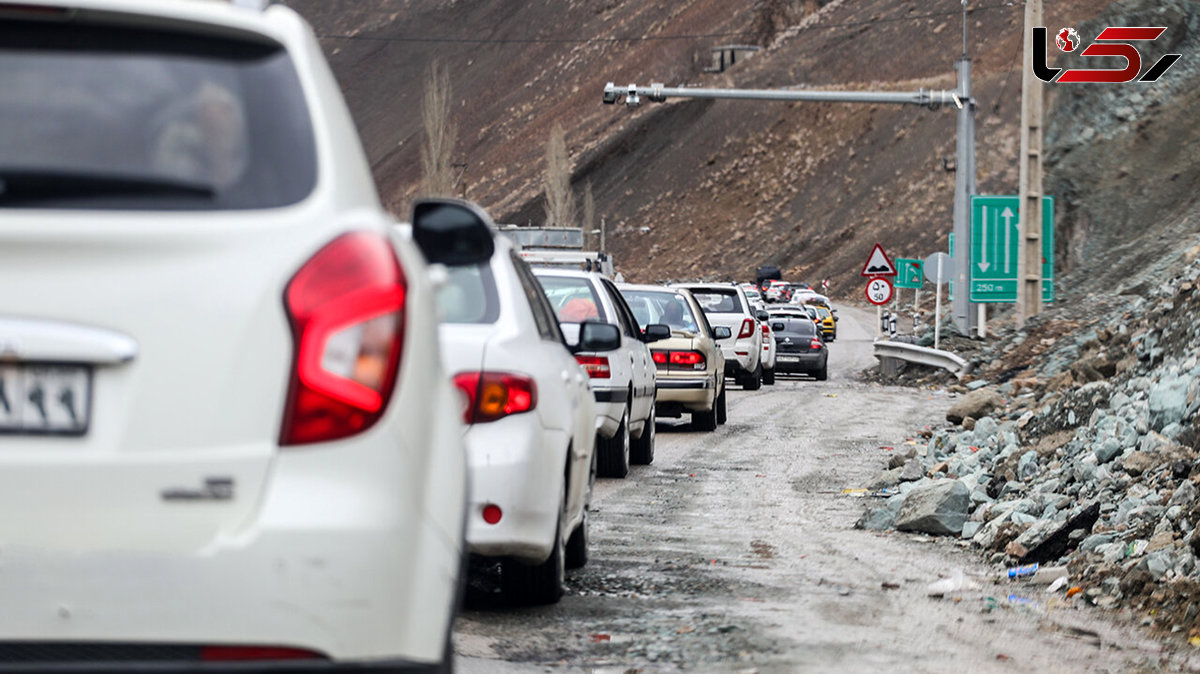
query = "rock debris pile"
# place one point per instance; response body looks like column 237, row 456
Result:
column 1075, row 443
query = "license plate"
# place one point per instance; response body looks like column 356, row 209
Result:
column 44, row 399
column 790, row 359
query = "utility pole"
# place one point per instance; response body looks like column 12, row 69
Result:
column 1029, row 223
column 964, row 184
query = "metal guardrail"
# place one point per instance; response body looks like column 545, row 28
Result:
column 888, row 352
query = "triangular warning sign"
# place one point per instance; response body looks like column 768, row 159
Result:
column 878, row 264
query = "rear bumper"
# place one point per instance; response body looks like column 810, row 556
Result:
column 610, row 407
column 685, row 393
column 516, row 464
column 803, row 362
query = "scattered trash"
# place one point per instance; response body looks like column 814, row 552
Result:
column 859, row 491
column 1074, row 591
column 1001, row 657
column 1036, row 573
column 1136, row 548
column 989, row 605
column 759, row 475
column 886, row 448
column 1194, row 640
column 686, row 629
column 940, row 588
column 974, row 449
column 830, row 395
column 597, row 638
column 1018, row 600
column 890, row 586
column 1057, row 584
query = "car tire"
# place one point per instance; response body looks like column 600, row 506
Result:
column 754, row 380
column 577, row 545
column 538, row 584
column 614, row 460
column 823, row 373
column 641, row 450
column 769, row 377
column 722, row 411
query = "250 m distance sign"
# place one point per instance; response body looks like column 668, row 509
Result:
column 879, row 290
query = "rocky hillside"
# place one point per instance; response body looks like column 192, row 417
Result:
column 711, row 189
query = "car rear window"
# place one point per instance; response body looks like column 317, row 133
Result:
column 716, row 301
column 469, row 296
column 573, row 298
column 117, row 117
column 667, row 308
column 799, row 327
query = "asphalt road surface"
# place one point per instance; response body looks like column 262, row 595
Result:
column 735, row 552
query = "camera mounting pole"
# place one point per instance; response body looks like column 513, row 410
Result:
column 964, row 183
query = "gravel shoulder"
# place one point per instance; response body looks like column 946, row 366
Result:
column 736, row 551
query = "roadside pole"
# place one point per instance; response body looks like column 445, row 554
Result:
column 937, row 308
column 1029, row 222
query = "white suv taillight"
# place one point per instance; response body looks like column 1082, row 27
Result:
column 346, row 308
column 747, row 329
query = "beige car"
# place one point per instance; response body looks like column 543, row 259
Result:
column 689, row 367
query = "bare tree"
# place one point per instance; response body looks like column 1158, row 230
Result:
column 437, row 152
column 560, row 201
column 589, row 214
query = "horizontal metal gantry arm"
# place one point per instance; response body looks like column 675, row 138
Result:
column 659, row 93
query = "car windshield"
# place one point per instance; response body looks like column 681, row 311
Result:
column 715, row 301
column 106, row 117
column 573, row 298
column 671, row 309
column 468, row 296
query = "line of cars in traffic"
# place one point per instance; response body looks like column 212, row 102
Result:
column 251, row 423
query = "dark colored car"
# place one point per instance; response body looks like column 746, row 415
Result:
column 799, row 347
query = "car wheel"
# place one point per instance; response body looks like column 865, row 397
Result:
column 722, row 412
column 641, row 449
column 577, row 545
column 769, row 377
column 823, row 373
column 614, row 460
column 532, row 584
column 754, row 380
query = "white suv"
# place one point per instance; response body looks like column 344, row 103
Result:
column 226, row 443
column 623, row 380
column 726, row 304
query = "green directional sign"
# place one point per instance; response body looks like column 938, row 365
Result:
column 908, row 273
column 995, row 246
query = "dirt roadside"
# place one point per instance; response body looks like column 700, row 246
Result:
column 735, row 551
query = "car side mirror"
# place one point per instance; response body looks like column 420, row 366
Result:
column 722, row 332
column 655, row 332
column 452, row 232
column 595, row 336
column 834, row 316
column 762, row 315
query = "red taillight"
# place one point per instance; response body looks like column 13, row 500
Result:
column 747, row 329
column 346, row 308
column 766, row 329
column 693, row 359
column 242, row 653
column 660, row 357
column 814, row 344
column 495, row 395
column 596, row 366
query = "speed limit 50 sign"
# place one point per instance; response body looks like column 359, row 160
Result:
column 879, row 291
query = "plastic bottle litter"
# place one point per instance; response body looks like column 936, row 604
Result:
column 1036, row 573
column 954, row 583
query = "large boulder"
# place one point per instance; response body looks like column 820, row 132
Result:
column 976, row 404
column 938, row 508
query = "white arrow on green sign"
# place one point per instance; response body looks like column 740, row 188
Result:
column 995, row 245
column 908, row 273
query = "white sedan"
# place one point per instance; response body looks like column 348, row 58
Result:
column 529, row 411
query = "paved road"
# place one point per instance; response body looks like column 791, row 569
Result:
column 735, row 551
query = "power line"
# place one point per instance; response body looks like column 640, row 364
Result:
column 649, row 38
